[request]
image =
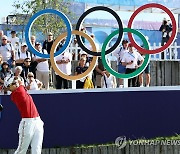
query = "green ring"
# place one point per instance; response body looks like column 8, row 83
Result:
column 140, row 69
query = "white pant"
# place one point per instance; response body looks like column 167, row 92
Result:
column 44, row 78
column 30, row 131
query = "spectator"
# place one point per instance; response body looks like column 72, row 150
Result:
column 7, row 51
column 22, row 54
column 14, row 40
column 42, row 72
column 148, row 77
column 147, row 73
column 27, row 68
column 49, row 42
column 1, row 34
column 88, row 61
column 33, row 40
column 32, row 83
column 108, row 80
column 165, row 28
column 130, row 60
column 99, row 71
column 5, row 72
column 74, row 53
column 119, row 53
column 79, row 70
column 18, row 71
column 1, row 62
column 83, row 29
column 64, row 64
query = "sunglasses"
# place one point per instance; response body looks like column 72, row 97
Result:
column 28, row 61
column 4, row 39
column 30, row 76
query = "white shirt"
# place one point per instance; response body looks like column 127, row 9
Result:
column 23, row 55
column 135, row 57
column 43, row 66
column 119, row 53
column 34, row 84
column 65, row 68
column 13, row 41
column 5, row 51
column 110, row 81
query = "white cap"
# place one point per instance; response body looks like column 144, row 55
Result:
column 23, row 44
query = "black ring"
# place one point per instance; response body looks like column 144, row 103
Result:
column 78, row 25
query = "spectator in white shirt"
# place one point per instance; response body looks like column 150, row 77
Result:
column 108, row 80
column 130, row 60
column 33, row 40
column 22, row 54
column 64, row 64
column 7, row 51
column 17, row 73
column 42, row 72
column 14, row 40
column 32, row 83
column 119, row 53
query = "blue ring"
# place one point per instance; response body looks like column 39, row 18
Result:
column 31, row 21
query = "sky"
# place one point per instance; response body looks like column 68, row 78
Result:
column 6, row 8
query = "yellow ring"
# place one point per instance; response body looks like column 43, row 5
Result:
column 79, row 76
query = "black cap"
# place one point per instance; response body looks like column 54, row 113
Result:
column 124, row 41
column 13, row 32
column 5, row 63
column 37, row 43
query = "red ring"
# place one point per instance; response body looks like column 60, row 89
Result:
column 171, row 39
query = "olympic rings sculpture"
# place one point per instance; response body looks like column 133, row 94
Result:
column 144, row 50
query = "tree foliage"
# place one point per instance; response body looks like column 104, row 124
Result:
column 47, row 22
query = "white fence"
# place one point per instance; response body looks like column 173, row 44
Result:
column 172, row 53
column 169, row 54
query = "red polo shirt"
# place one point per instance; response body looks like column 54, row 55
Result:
column 24, row 103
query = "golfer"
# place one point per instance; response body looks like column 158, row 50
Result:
column 31, row 126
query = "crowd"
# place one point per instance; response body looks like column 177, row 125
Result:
column 36, row 72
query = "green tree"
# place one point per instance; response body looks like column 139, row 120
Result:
column 45, row 23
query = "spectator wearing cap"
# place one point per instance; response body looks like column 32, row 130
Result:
column 7, row 51
column 27, row 67
column 119, row 53
column 130, row 60
column 14, row 40
column 64, row 64
column 42, row 68
column 22, row 54
column 32, row 83
column 5, row 72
